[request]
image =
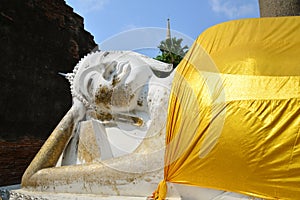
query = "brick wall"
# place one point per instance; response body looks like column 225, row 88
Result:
column 15, row 157
column 39, row 39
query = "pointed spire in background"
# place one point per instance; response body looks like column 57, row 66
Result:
column 168, row 30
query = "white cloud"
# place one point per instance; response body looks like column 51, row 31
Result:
column 233, row 8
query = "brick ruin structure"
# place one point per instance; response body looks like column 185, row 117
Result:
column 39, row 39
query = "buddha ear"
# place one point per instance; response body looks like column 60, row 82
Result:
column 156, row 65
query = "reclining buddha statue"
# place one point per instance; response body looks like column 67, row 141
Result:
column 224, row 124
column 114, row 93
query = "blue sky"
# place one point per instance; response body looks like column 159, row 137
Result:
column 106, row 19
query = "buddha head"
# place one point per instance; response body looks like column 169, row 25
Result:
column 109, row 83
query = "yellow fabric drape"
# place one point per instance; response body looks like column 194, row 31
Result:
column 233, row 119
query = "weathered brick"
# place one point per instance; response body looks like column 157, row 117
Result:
column 15, row 158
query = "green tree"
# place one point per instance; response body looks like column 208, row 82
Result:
column 171, row 51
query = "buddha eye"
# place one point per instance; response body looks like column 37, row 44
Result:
column 88, row 85
column 109, row 70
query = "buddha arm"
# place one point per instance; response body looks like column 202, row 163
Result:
column 119, row 176
column 50, row 152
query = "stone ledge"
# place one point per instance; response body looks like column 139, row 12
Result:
column 27, row 195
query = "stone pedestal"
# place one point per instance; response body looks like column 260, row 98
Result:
column 26, row 195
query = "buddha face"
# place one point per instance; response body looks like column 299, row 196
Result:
column 113, row 82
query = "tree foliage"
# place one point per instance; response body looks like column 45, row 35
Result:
column 172, row 51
